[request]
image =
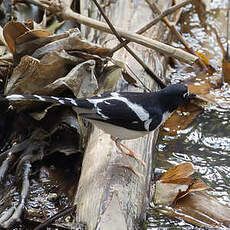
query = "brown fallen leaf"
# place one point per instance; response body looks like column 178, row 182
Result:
column 203, row 57
column 184, row 180
column 181, row 119
column 166, row 193
column 180, row 171
column 11, row 31
column 198, row 185
column 226, row 70
column 176, row 183
column 195, row 184
column 31, row 35
column 201, row 209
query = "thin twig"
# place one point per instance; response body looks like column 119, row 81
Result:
column 227, row 50
column 146, row 68
column 218, row 39
column 50, row 220
column 172, row 27
column 165, row 13
column 62, row 10
column 141, row 82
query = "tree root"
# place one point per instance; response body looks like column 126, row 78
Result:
column 32, row 149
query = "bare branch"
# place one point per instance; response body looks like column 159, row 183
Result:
column 172, row 27
column 60, row 8
column 165, row 13
column 147, row 69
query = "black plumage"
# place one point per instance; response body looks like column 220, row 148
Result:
column 125, row 115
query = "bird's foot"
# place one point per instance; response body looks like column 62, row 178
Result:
column 128, row 151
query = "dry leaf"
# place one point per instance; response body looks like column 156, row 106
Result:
column 176, row 184
column 200, row 209
column 74, row 41
column 183, row 180
column 166, row 193
column 181, row 119
column 81, row 81
column 198, row 185
column 226, row 70
column 203, row 58
column 32, row 75
column 195, row 184
column 180, row 171
column 11, row 31
column 31, row 35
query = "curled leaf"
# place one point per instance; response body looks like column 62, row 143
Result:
column 176, row 184
column 180, row 171
column 11, row 31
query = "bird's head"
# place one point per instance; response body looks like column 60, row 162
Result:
column 176, row 95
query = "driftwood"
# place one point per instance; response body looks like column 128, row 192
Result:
column 114, row 189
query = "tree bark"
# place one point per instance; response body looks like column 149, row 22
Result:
column 110, row 194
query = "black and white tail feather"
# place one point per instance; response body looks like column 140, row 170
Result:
column 125, row 115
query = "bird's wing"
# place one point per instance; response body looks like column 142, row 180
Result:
column 120, row 111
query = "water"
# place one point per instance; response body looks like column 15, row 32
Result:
column 206, row 142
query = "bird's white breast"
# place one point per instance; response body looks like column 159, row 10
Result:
column 117, row 131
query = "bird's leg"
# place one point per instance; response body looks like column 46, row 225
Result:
column 128, row 151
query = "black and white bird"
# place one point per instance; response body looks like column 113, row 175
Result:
column 123, row 115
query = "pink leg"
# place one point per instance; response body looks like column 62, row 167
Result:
column 128, row 151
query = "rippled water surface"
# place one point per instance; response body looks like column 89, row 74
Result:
column 206, row 142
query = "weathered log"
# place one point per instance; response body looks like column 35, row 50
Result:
column 110, row 195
